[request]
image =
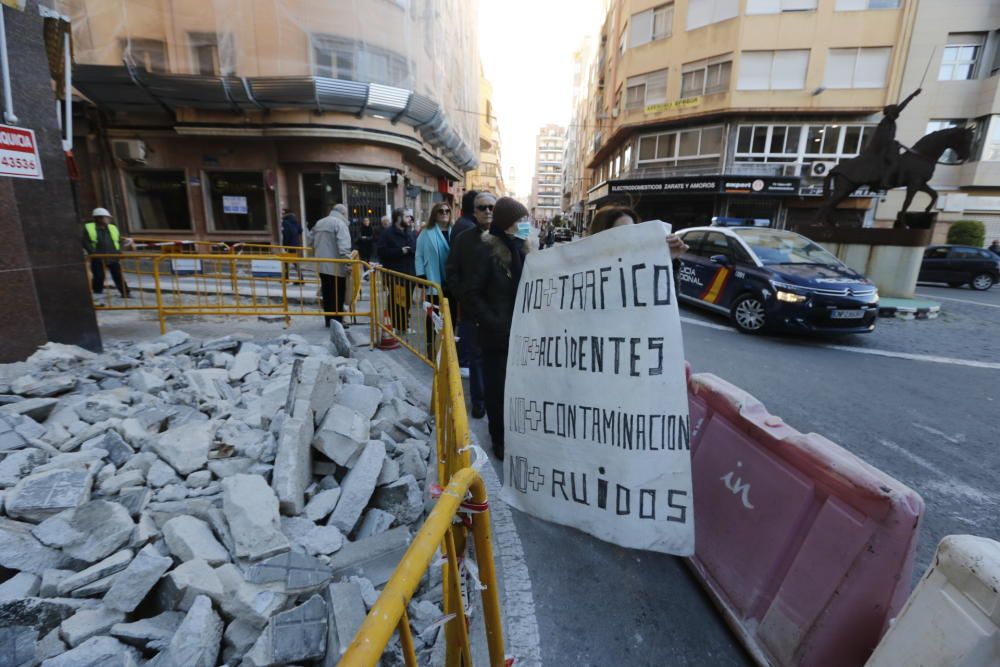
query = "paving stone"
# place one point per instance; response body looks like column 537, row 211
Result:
column 21, row 585
column 251, row 510
column 17, row 431
column 18, row 464
column 296, row 635
column 346, row 614
column 320, row 505
column 146, row 381
column 43, row 387
column 92, row 460
column 312, row 386
column 17, row 646
column 293, row 464
column 298, row 572
column 90, row 532
column 96, row 652
column 322, row 540
column 20, row 550
column 44, row 494
column 149, row 633
column 240, row 636
column 374, row 522
column 357, row 487
column 361, row 398
column 197, row 640
column 374, row 558
column 186, row 582
column 245, row 362
column 252, row 603
column 186, row 447
column 88, row 623
column 118, row 451
column 342, row 434
column 37, row 408
column 189, row 538
column 137, row 580
column 110, row 565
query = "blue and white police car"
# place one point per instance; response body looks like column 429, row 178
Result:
column 771, row 279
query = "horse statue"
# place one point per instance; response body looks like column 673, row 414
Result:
column 914, row 168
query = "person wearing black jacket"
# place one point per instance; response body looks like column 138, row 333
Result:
column 489, row 300
column 396, row 246
column 366, row 240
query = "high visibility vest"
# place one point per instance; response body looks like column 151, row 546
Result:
column 91, row 228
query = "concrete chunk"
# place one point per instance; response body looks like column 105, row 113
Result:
column 21, row 585
column 149, row 633
column 342, row 434
column 322, row 504
column 403, row 499
column 293, row 464
column 110, row 565
column 357, row 487
column 375, row 522
column 298, row 572
column 189, row 538
column 180, row 587
column 251, row 509
column 197, row 640
column 346, row 614
column 146, row 381
column 37, row 408
column 296, row 635
column 360, row 398
column 41, row 495
column 90, row 532
column 374, row 558
column 17, row 646
column 88, row 623
column 246, row 361
column 19, row 464
column 20, row 550
column 118, row 450
column 186, row 447
column 322, row 540
column 96, row 652
column 137, row 580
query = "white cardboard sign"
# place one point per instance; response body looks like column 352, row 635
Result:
column 234, row 204
column 596, row 408
column 19, row 153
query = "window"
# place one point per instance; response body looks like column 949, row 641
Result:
column 773, row 70
column 685, row 145
column 622, row 44
column 628, row 158
column 784, row 143
column 158, row 199
column 960, row 59
column 706, row 77
column 778, row 6
column 342, row 58
column 149, row 54
column 642, row 91
column 651, row 25
column 857, row 68
column 936, row 253
column 237, row 201
column 995, row 67
column 209, row 57
column 858, row 5
column 715, row 243
column 705, row 12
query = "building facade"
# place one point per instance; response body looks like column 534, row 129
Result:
column 488, row 176
column 547, row 183
column 954, row 55
column 204, row 119
column 700, row 109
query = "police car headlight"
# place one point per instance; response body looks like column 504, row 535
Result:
column 789, row 297
column 875, row 295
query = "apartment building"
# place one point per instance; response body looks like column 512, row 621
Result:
column 736, row 108
column 204, row 119
column 547, row 183
column 576, row 177
column 488, row 176
column 954, row 54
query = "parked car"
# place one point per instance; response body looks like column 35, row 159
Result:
column 960, row 265
column 563, row 234
column 774, row 279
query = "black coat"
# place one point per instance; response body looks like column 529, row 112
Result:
column 461, row 258
column 490, row 292
column 390, row 250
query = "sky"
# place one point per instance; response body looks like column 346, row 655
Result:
column 527, row 52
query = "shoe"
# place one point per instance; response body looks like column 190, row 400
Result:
column 464, row 372
column 478, row 411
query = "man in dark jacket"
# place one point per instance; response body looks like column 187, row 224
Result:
column 396, row 246
column 291, row 237
column 460, row 262
column 489, row 298
column 995, row 247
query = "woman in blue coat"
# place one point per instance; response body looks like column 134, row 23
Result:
column 433, row 245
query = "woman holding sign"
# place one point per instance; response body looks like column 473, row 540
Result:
column 489, row 301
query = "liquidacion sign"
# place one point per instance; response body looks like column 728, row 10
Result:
column 596, row 411
column 19, row 153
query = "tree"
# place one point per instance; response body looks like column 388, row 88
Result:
column 967, row 232
column 557, row 220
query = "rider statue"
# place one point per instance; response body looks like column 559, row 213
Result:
column 883, row 142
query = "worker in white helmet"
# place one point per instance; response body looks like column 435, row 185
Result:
column 101, row 237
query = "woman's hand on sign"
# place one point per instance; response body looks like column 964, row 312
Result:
column 676, row 245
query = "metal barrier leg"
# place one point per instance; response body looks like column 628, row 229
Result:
column 159, row 297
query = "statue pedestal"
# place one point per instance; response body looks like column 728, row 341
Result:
column 915, row 220
column 888, row 257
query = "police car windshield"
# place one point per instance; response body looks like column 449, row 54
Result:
column 776, row 247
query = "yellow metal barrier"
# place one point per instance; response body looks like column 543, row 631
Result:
column 409, row 310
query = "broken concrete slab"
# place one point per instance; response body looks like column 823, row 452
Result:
column 44, row 615
column 160, row 474
column 411, row 463
column 341, row 434
column 116, row 483
column 146, row 381
column 38, row 409
column 251, row 509
column 180, row 588
column 96, row 652
column 110, row 565
column 51, row 579
column 245, row 362
column 152, row 633
column 21, row 585
column 119, row 452
column 390, row 472
column 186, row 447
column 357, row 487
column 374, row 558
column 374, row 522
column 403, row 499
column 322, row 540
column 293, row 464
column 296, row 635
column 88, row 623
column 346, row 614
column 88, row 533
column 189, row 538
column 206, row 382
column 136, row 580
column 18, row 464
column 43, row 387
column 360, row 398
column 238, row 638
column 199, row 479
column 17, row 431
column 228, row 467
column 320, row 505
column 41, row 495
column 21, row 550
column 298, row 572
column 197, row 640
column 18, row 646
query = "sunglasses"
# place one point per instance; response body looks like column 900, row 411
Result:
column 444, row 210
column 487, row 207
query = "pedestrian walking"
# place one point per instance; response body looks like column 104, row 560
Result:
column 291, row 239
column 459, row 266
column 433, row 245
column 995, row 247
column 489, row 300
column 550, row 235
column 331, row 239
column 396, row 247
column 102, row 237
column 366, row 240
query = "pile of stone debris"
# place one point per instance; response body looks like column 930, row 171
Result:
column 178, row 503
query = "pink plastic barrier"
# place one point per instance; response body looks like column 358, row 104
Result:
column 807, row 549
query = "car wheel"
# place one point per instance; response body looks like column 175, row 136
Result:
column 982, row 281
column 748, row 314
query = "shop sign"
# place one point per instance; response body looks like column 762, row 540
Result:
column 686, row 103
column 666, row 186
column 19, row 153
column 816, row 190
column 760, row 186
column 234, row 204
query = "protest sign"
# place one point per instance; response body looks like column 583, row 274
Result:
column 596, row 411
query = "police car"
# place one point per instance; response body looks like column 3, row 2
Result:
column 774, row 279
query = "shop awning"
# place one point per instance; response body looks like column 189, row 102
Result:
column 363, row 175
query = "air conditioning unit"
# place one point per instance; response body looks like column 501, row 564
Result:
column 129, row 150
column 821, row 169
column 794, row 169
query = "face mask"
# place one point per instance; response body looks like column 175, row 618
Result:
column 523, row 231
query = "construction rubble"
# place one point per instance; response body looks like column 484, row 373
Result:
column 186, row 503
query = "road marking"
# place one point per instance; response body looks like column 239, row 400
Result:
column 928, row 358
column 951, row 298
column 958, row 440
column 947, row 486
